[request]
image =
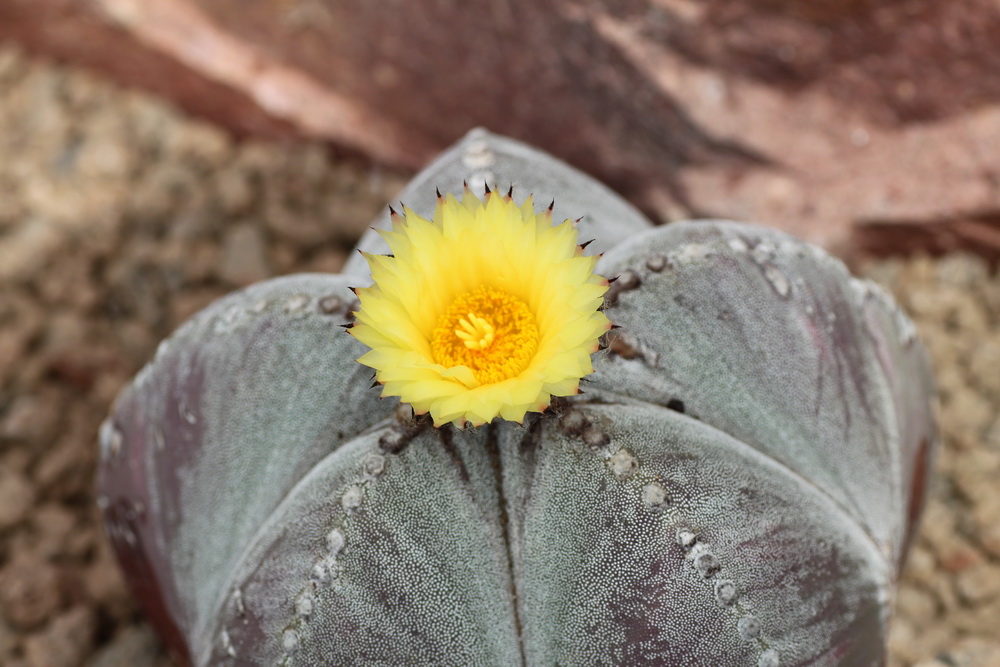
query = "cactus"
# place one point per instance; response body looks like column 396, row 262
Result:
column 738, row 485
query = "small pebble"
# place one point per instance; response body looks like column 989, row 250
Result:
column 17, row 496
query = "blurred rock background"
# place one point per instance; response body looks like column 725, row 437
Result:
column 155, row 154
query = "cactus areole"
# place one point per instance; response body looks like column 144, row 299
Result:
column 737, row 485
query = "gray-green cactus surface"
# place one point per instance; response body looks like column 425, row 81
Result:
column 737, row 485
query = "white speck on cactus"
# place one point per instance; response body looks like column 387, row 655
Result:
column 290, row 641
column 623, row 464
column 707, row 564
column 769, row 658
column 686, row 538
column 656, row 263
column 594, row 437
column 737, row 244
column 725, row 592
column 304, row 604
column 112, row 441
column 296, row 304
column 236, row 600
column 654, row 495
column 227, row 643
column 691, row 252
column 373, row 466
column 186, row 413
column 748, row 627
column 778, row 280
column 321, row 572
column 335, row 541
column 330, row 305
column 352, row 498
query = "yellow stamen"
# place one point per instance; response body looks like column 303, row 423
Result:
column 478, row 335
column 491, row 332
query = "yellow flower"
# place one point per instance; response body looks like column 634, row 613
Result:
column 487, row 310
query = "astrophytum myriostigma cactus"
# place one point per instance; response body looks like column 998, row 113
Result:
column 737, row 485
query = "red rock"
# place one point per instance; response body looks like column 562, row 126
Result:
column 960, row 559
column 814, row 117
column 75, row 31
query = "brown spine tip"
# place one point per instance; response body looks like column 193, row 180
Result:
column 353, row 289
column 392, row 211
column 552, row 205
column 612, row 280
column 487, row 186
column 374, row 384
column 346, row 326
column 583, row 246
column 510, row 191
column 437, row 191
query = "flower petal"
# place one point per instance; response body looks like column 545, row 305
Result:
column 491, row 255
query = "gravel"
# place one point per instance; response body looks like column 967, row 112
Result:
column 949, row 599
column 120, row 218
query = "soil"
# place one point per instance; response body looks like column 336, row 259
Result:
column 120, row 217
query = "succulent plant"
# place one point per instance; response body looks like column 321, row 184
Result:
column 738, row 485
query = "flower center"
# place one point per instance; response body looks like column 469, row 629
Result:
column 488, row 330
